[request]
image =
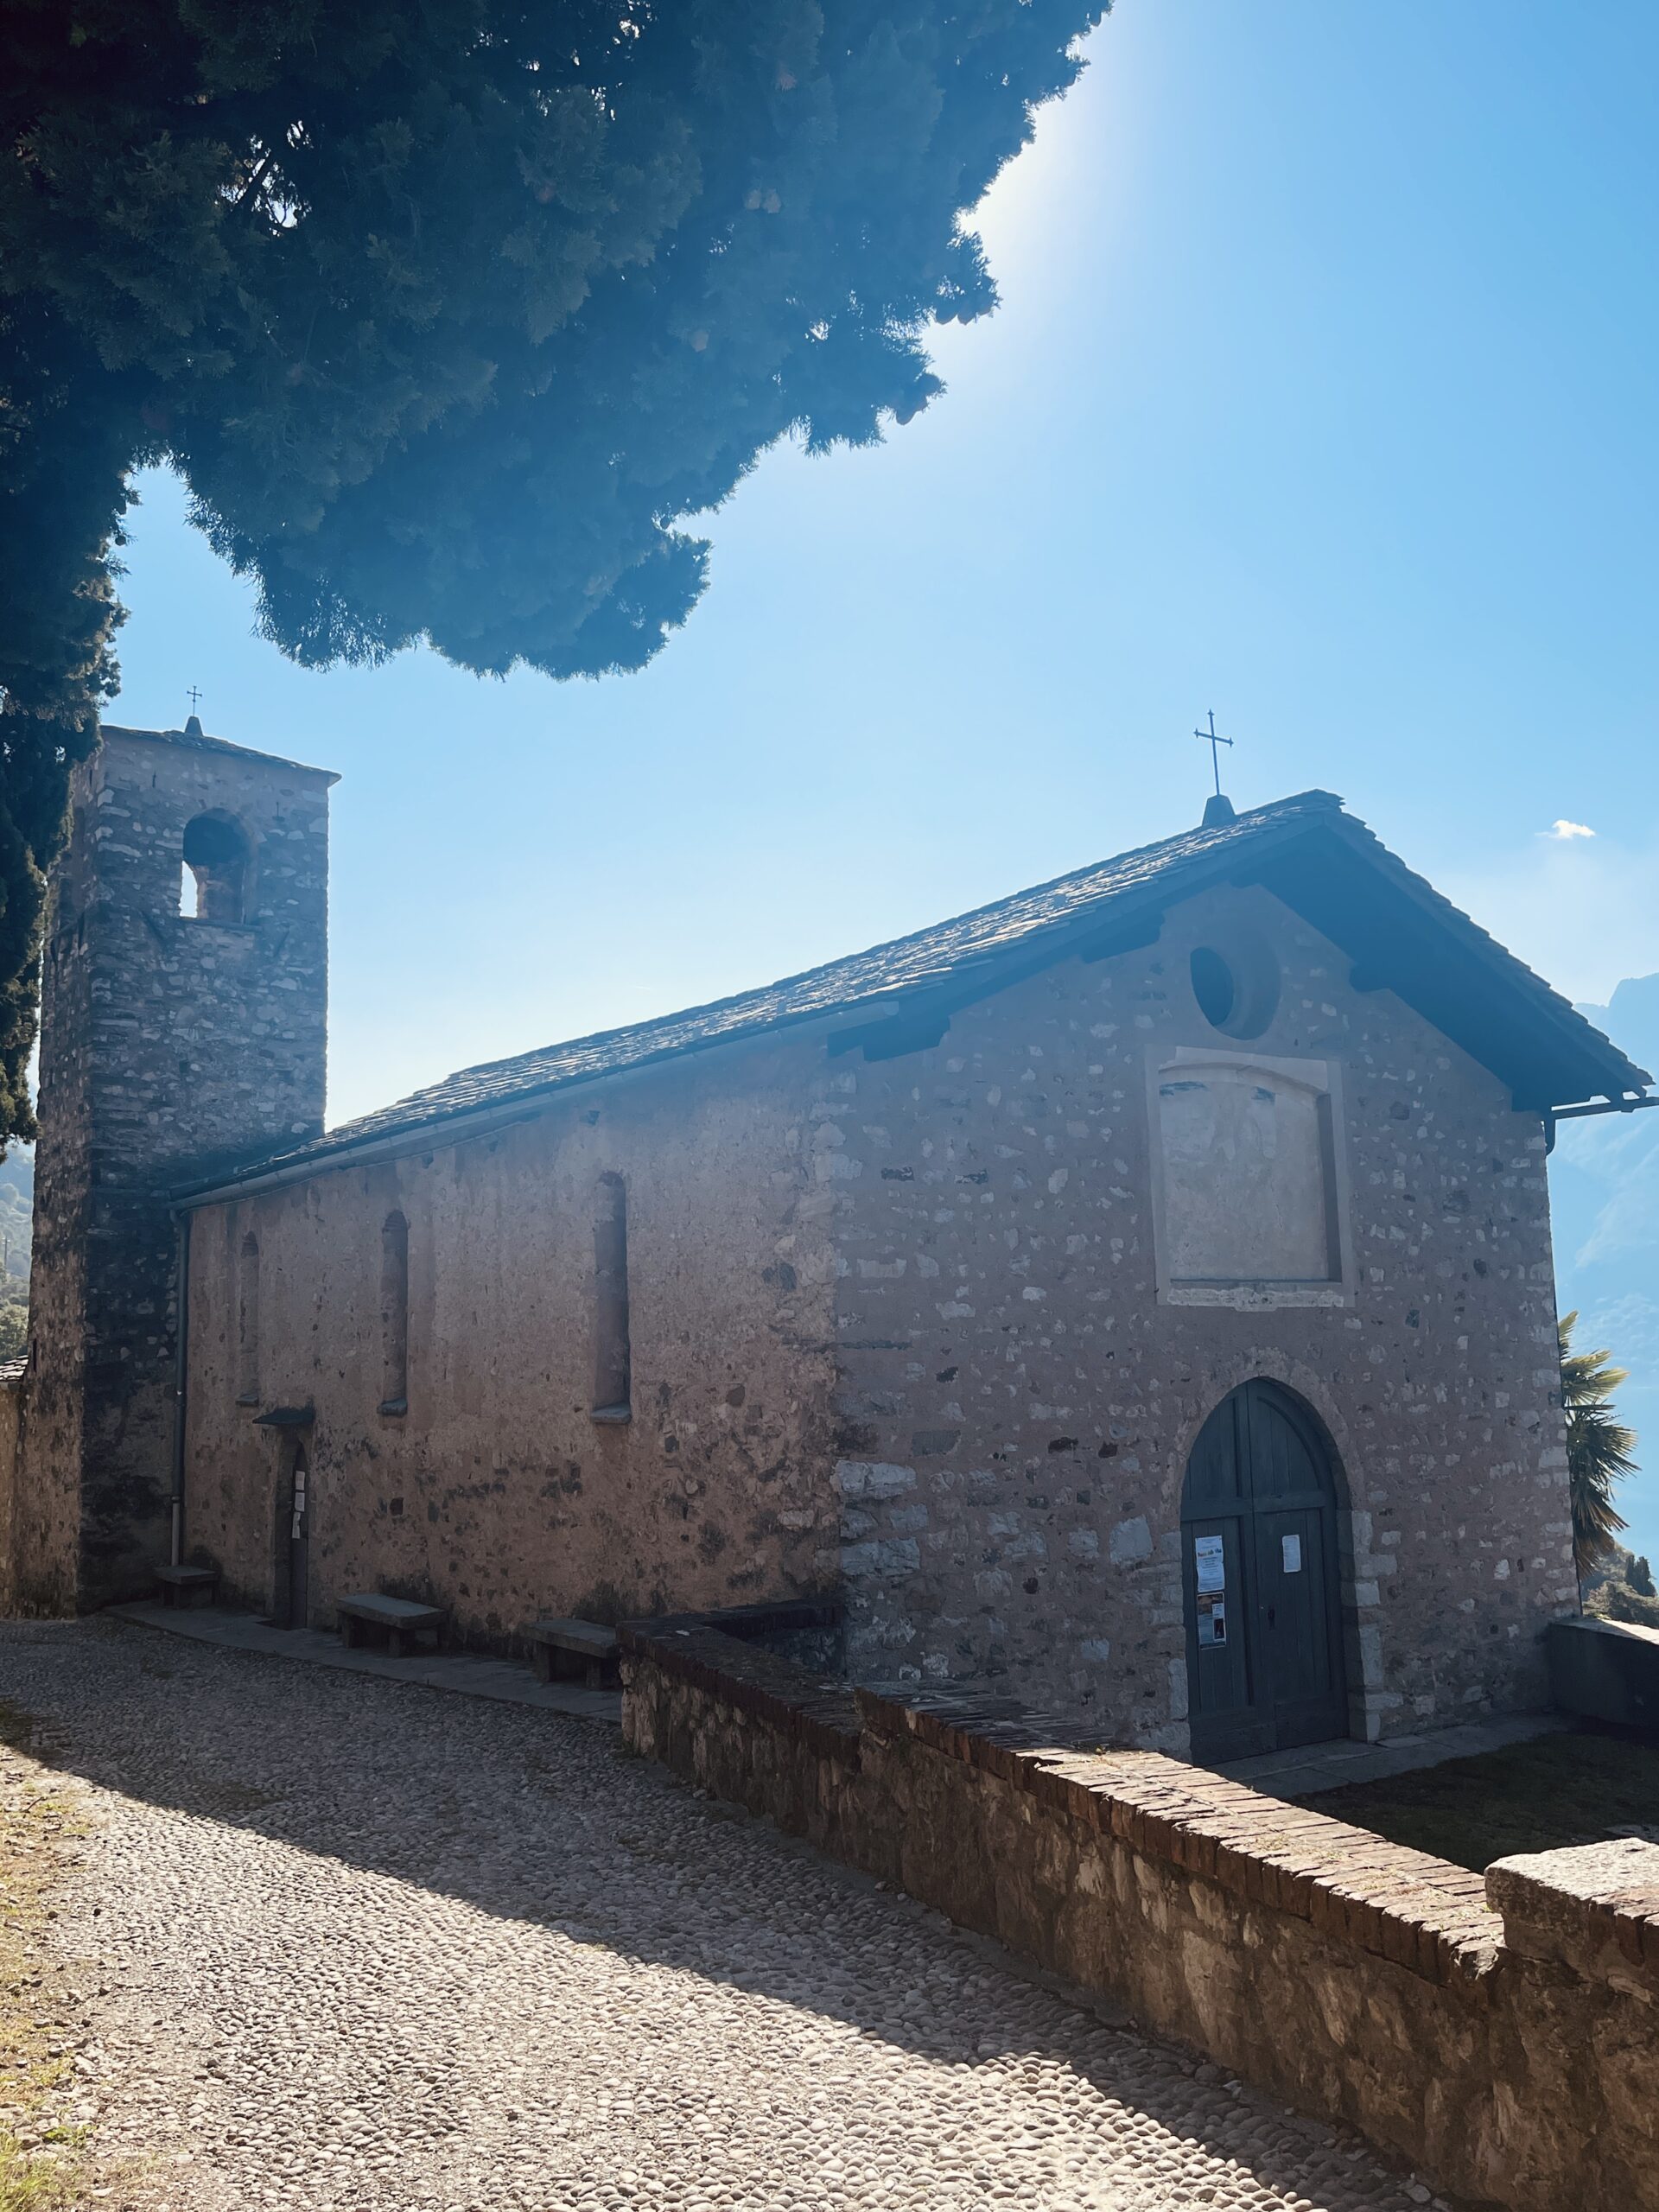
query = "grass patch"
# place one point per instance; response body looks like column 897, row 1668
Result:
column 42, row 2162
column 1540, row 1795
column 37, row 2181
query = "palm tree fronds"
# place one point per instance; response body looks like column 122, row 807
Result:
column 1600, row 1449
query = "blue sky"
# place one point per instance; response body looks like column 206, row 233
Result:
column 1323, row 393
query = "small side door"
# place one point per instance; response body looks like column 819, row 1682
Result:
column 299, row 1544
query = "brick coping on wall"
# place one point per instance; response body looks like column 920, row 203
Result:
column 1407, row 1906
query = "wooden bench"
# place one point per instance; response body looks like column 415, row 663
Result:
column 186, row 1586
column 560, row 1651
column 401, row 1618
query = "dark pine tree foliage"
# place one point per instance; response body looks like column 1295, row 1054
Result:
column 447, row 310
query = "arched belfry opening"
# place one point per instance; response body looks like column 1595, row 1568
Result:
column 1261, row 1508
column 218, row 881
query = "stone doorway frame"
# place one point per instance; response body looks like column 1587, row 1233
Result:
column 1361, row 1570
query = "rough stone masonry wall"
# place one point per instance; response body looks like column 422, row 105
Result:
column 1504, row 2036
column 1018, row 1404
column 498, row 1493
column 168, row 1046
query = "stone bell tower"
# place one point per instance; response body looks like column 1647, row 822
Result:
column 183, row 1016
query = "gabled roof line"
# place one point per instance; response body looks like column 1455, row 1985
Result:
column 932, row 971
column 1574, row 1028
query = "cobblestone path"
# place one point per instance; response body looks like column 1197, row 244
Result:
column 345, row 1943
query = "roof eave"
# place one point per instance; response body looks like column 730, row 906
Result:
column 188, row 742
column 1507, row 1017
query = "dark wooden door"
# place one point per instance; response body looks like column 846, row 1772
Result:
column 299, row 1544
column 1263, row 1606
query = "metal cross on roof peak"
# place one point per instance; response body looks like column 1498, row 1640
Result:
column 1214, row 739
column 194, row 697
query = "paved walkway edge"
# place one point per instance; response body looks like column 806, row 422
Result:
column 464, row 1672
column 1313, row 1768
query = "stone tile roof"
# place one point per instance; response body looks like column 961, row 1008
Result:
column 954, row 953
column 193, row 739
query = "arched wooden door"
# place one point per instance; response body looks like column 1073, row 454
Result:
column 1264, row 1649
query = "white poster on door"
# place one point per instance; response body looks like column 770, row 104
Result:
column 1209, row 1562
column 1290, row 1553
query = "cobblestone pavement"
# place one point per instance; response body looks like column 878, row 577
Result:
column 345, row 1944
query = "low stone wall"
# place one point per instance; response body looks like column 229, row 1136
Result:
column 1502, row 2034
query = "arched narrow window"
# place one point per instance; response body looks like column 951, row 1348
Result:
column 218, row 881
column 394, row 1313
column 613, row 1379
column 247, row 1323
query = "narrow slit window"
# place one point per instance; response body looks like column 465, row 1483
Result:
column 394, row 1313
column 247, row 1323
column 612, row 1359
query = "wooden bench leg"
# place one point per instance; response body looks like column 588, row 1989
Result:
column 347, row 1632
column 395, row 1642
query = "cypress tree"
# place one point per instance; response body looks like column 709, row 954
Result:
column 448, row 312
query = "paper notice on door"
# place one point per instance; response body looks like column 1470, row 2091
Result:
column 1211, row 1564
column 1290, row 1552
column 1212, row 1620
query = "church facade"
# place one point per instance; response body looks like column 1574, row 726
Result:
column 1135, row 1296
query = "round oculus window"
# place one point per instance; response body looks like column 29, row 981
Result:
column 1212, row 986
column 1236, row 991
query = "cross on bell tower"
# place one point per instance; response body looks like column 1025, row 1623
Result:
column 1218, row 807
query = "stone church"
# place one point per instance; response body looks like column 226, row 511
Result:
column 1135, row 1295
